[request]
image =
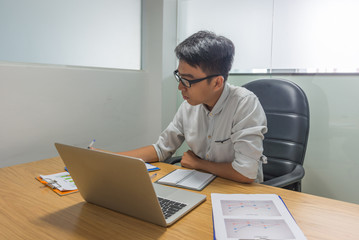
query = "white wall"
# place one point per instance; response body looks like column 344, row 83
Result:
column 44, row 104
column 121, row 109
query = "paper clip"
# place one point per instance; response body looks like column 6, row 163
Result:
column 52, row 183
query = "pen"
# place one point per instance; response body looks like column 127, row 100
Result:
column 153, row 175
column 91, row 144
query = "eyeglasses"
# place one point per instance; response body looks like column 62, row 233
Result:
column 188, row 83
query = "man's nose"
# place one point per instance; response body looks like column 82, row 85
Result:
column 181, row 86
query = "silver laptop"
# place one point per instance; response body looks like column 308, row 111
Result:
column 123, row 184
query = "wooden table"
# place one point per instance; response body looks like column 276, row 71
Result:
column 28, row 210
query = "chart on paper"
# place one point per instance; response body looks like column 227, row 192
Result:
column 258, row 229
column 249, row 208
column 253, row 216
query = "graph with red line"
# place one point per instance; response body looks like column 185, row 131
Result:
column 258, row 229
column 249, row 208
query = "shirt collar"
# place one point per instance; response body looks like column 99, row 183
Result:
column 220, row 103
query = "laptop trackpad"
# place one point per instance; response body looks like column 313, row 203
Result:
column 164, row 191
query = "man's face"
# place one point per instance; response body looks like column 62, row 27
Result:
column 198, row 93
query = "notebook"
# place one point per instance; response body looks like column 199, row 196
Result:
column 191, row 179
column 122, row 184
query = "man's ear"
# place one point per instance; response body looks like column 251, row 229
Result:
column 219, row 82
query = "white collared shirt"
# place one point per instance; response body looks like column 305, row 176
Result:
column 231, row 132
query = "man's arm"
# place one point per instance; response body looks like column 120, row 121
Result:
column 147, row 154
column 225, row 170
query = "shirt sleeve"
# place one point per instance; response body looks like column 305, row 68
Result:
column 171, row 138
column 249, row 127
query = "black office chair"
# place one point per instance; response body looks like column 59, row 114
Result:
column 287, row 110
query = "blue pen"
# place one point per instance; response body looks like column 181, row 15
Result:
column 91, row 144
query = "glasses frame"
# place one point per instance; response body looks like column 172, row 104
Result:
column 188, row 83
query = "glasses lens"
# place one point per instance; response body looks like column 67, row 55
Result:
column 178, row 79
column 183, row 81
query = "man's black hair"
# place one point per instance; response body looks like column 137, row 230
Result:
column 212, row 53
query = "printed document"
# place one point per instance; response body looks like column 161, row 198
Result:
column 61, row 181
column 253, row 216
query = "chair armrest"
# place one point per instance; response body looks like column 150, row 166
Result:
column 296, row 175
column 173, row 160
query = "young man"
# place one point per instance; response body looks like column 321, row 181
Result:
column 222, row 124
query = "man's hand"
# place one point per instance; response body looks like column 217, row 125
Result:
column 190, row 160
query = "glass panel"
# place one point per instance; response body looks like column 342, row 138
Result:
column 247, row 23
column 319, row 35
column 80, row 33
column 280, row 36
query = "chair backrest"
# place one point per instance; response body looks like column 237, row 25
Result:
column 287, row 110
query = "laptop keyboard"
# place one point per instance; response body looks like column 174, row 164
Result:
column 170, row 207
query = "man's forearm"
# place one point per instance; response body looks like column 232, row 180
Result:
column 147, row 154
column 224, row 170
